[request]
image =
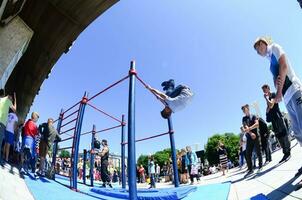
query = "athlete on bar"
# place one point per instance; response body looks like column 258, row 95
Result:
column 175, row 98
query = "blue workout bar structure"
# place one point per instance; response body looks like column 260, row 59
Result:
column 55, row 144
column 131, row 135
column 76, row 142
column 92, row 155
column 173, row 152
column 84, row 166
column 123, row 174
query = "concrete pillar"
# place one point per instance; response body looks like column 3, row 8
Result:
column 14, row 39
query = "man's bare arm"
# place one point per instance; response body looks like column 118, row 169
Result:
column 159, row 94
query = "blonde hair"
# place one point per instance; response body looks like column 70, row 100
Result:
column 266, row 39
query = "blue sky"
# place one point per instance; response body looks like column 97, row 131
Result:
column 206, row 45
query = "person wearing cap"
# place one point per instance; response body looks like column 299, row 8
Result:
column 6, row 103
column 104, row 154
column 29, row 145
column 287, row 83
column 175, row 101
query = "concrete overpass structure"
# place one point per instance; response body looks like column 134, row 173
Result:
column 55, row 25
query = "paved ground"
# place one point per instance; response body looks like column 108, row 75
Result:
column 275, row 181
column 12, row 186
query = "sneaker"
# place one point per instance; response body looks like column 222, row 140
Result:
column 104, row 185
column 249, row 172
column 285, row 158
column 109, row 184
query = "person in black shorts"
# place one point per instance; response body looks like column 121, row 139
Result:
column 104, row 164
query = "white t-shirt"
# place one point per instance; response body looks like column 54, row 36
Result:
column 11, row 120
column 274, row 52
column 178, row 103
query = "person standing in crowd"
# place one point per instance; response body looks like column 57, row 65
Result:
column 242, row 153
column 264, row 135
column 151, row 170
column 192, row 164
column 157, row 172
column 223, row 157
column 274, row 115
column 104, row 154
column 48, row 135
column 11, row 126
column 28, row 144
column 250, row 127
column 141, row 172
column 287, row 84
column 6, row 102
column 184, row 164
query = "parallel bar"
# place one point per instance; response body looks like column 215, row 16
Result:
column 107, row 129
column 71, row 107
column 64, row 148
column 67, row 139
column 67, row 131
column 70, row 114
column 131, row 135
column 151, row 137
column 123, row 150
column 107, row 88
column 140, row 80
column 86, row 133
column 69, row 122
column 173, row 152
column 114, row 118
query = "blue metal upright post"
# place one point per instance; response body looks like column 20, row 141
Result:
column 131, row 135
column 84, row 166
column 55, row 144
column 76, row 143
column 123, row 174
column 92, row 155
column 173, row 152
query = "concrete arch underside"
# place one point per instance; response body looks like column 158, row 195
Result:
column 56, row 24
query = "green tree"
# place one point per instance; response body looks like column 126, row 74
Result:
column 163, row 156
column 64, row 154
column 231, row 142
column 143, row 160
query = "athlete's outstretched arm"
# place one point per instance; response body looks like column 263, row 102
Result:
column 158, row 93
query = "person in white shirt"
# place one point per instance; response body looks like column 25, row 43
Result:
column 176, row 103
column 11, row 126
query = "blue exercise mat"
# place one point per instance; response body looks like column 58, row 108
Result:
column 211, row 192
column 147, row 194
